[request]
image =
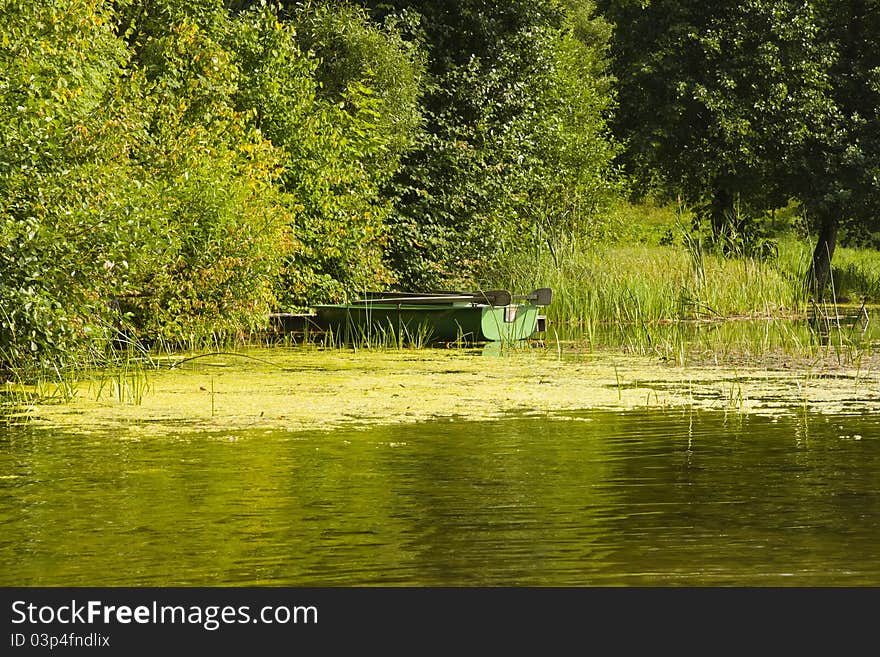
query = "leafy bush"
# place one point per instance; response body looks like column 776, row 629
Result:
column 64, row 141
column 338, row 96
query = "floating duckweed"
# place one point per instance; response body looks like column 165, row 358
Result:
column 302, row 389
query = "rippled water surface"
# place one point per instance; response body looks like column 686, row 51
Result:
column 648, row 497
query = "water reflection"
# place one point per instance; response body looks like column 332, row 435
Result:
column 828, row 325
column 602, row 498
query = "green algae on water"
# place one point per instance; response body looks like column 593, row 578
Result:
column 295, row 389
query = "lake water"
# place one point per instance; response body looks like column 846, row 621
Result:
column 600, row 498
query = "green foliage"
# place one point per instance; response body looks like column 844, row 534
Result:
column 64, row 136
column 515, row 147
column 356, row 57
column 171, row 171
column 140, row 21
column 844, row 167
column 739, row 108
column 568, row 177
column 342, row 125
column 720, row 103
column 214, row 224
column 134, row 200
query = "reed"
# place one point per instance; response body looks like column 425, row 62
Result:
column 857, row 273
column 633, row 283
column 117, row 368
column 373, row 336
column 16, row 401
column 125, row 382
column 681, row 301
column 123, row 371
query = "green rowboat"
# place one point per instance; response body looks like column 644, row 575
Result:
column 469, row 317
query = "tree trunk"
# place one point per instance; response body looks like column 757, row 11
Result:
column 820, row 268
column 719, row 211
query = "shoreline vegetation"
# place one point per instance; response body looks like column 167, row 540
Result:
column 173, row 172
column 638, row 330
column 650, row 292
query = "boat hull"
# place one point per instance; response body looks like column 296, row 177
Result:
column 430, row 323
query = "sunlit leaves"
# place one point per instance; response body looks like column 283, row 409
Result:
column 65, row 132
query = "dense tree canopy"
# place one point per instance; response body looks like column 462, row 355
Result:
column 740, row 107
column 66, row 133
column 515, row 139
column 843, row 176
column 719, row 101
column 171, row 170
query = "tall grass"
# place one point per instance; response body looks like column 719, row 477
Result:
column 650, row 283
column 371, row 336
column 120, row 370
column 857, row 275
column 677, row 299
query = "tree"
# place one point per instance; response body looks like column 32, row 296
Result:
column 515, row 109
column 844, row 167
column 212, row 226
column 720, row 103
column 65, row 136
column 335, row 98
column 339, row 96
column 135, row 201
